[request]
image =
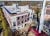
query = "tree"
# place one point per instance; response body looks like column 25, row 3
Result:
column 37, row 11
column 0, row 23
column 3, row 23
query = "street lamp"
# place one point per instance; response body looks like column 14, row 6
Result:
column 42, row 17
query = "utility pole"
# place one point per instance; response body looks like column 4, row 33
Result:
column 42, row 16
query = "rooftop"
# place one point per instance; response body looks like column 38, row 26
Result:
column 15, row 9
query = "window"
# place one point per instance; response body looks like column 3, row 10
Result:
column 25, row 15
column 22, row 16
column 22, row 21
column 18, row 18
column 18, row 23
column 48, row 12
column 47, row 23
column 25, row 24
column 14, row 24
column 27, row 18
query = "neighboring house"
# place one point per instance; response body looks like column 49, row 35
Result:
column 18, row 16
column 47, row 20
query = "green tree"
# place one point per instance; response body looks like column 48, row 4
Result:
column 4, row 23
column 37, row 11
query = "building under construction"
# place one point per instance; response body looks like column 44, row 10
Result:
column 25, row 18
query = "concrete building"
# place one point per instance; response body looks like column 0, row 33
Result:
column 47, row 20
column 18, row 16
